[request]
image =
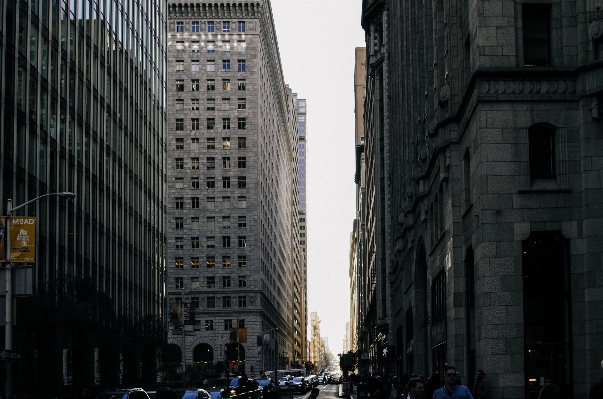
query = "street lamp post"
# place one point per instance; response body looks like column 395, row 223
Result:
column 8, row 334
column 183, row 338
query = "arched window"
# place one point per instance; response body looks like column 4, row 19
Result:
column 542, row 151
column 203, row 353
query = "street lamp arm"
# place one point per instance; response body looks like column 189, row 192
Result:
column 66, row 194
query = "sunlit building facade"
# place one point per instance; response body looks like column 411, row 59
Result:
column 82, row 110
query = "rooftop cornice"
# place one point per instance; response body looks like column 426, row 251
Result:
column 213, row 9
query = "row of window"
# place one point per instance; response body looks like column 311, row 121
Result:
column 211, row 163
column 210, row 242
column 211, row 124
column 210, row 223
column 195, row 46
column 211, row 66
column 211, row 26
column 210, row 182
column 211, row 84
column 211, row 143
column 211, row 202
column 210, row 261
column 209, row 324
column 211, row 104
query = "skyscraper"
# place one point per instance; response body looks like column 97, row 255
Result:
column 233, row 211
column 82, row 110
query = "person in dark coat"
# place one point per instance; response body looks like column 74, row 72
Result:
column 481, row 387
column 550, row 391
column 596, row 391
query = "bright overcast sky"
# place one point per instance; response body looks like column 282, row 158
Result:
column 317, row 39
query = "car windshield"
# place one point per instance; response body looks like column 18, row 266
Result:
column 298, row 379
column 187, row 395
column 263, row 383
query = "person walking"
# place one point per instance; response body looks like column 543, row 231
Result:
column 596, row 391
column 416, row 388
column 481, row 388
column 451, row 390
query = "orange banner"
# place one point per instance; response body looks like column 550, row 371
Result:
column 23, row 239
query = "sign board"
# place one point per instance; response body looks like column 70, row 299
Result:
column 23, row 239
column 438, row 332
column 22, row 282
column 6, row 354
column 189, row 314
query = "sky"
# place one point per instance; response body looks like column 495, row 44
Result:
column 316, row 41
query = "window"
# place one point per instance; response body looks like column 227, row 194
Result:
column 179, row 27
column 241, row 65
column 194, row 242
column 179, row 183
column 211, row 123
column 195, row 202
column 195, row 26
column 242, row 103
column 211, row 182
column 211, row 302
column 225, row 26
column 179, row 84
column 241, row 182
column 226, row 261
column 179, row 125
column 241, row 26
column 179, row 283
column 225, row 182
column 210, row 260
column 225, row 202
column 542, row 151
column 195, row 262
column 179, row 262
column 211, row 47
column 242, row 142
column 211, row 201
column 210, row 282
column 226, row 242
column 242, row 281
column 211, row 243
column 211, row 28
column 195, row 66
column 179, row 163
column 211, row 162
column 226, row 123
column 226, row 84
column 195, row 84
column 195, row 183
column 195, row 107
column 211, row 104
column 194, row 163
column 211, row 66
column 242, row 202
column 467, row 178
column 179, row 202
column 195, row 46
column 242, row 242
column 211, row 84
column 195, row 124
column 226, row 303
column 179, row 223
column 179, row 46
column 227, row 324
column 211, row 222
column 536, row 35
column 225, row 281
column 226, row 162
column 226, row 104
column 242, row 221
column 242, row 261
column 179, row 65
column 438, row 297
column 226, row 143
column 211, row 143
column 225, row 65
column 241, row 84
column 242, row 301
column 241, row 323
column 241, row 46
column 209, row 324
column 242, row 123
column 242, row 162
column 179, row 105
column 226, row 222
column 226, row 47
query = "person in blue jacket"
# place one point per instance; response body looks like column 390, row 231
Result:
column 451, row 390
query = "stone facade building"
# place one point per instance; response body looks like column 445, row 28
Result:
column 233, row 208
column 494, row 177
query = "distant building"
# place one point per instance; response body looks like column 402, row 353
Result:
column 233, row 212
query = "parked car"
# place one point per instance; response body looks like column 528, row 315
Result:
column 242, row 388
column 118, row 393
column 299, row 384
column 268, row 388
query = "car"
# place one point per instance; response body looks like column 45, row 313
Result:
column 268, row 388
column 118, row 393
column 299, row 384
column 313, row 380
column 242, row 388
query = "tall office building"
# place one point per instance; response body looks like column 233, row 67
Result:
column 82, row 110
column 233, row 210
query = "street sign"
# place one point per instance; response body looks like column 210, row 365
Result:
column 6, row 354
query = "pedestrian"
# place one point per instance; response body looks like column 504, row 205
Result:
column 416, row 388
column 314, row 393
column 397, row 389
column 596, row 391
column 451, row 390
column 550, row 391
column 481, row 388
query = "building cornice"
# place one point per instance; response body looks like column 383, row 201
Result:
column 209, row 9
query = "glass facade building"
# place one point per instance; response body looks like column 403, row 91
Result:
column 83, row 110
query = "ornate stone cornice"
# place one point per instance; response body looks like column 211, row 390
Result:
column 211, row 9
